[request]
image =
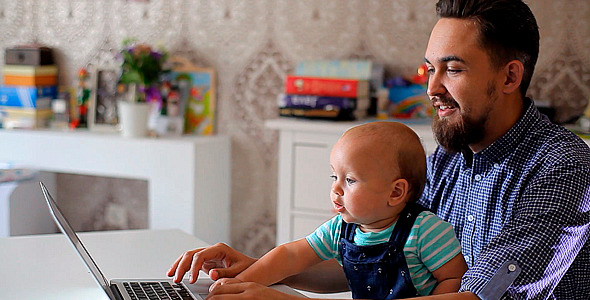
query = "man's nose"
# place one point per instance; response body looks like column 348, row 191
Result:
column 435, row 85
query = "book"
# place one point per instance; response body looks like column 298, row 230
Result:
column 331, row 87
column 27, row 96
column 335, row 113
column 350, row 69
column 30, row 80
column 320, row 102
column 24, row 70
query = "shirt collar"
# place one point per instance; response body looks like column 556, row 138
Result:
column 506, row 144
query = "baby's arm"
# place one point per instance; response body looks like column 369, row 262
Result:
column 281, row 262
column 448, row 276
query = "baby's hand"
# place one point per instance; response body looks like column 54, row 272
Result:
column 223, row 281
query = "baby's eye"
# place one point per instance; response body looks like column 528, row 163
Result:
column 350, row 181
column 333, row 177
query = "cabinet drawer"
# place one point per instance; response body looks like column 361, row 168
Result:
column 311, row 177
column 303, row 225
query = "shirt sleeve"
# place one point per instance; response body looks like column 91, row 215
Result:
column 436, row 242
column 548, row 227
column 324, row 240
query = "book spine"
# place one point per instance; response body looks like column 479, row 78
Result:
column 350, row 69
column 317, row 102
column 336, row 114
column 331, row 87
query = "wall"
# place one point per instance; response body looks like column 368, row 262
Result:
column 252, row 44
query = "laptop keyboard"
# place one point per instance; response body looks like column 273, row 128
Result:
column 156, row 290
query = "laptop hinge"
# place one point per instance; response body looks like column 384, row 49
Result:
column 116, row 292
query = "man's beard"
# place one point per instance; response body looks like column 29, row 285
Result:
column 457, row 137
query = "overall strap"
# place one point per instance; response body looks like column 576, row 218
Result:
column 404, row 224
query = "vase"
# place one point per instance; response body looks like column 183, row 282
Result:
column 133, row 118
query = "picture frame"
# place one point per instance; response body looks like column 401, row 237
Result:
column 197, row 89
column 102, row 105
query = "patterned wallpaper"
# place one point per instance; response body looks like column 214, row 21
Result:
column 252, row 44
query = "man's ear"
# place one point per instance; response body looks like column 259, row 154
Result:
column 399, row 192
column 513, row 72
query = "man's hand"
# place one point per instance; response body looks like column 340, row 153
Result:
column 236, row 289
column 218, row 261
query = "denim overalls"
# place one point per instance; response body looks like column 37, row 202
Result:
column 379, row 271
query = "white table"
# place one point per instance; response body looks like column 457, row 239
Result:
column 47, row 267
column 189, row 178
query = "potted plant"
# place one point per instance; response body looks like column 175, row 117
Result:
column 141, row 68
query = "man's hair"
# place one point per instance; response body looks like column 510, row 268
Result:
column 507, row 30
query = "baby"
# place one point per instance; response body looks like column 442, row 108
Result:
column 389, row 246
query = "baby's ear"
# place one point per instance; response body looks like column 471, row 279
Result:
column 399, row 192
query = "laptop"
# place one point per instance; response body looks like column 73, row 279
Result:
column 122, row 289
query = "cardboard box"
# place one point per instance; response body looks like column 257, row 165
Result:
column 24, row 70
column 31, row 55
column 27, row 118
column 30, row 80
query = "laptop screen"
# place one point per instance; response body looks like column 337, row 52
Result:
column 67, row 229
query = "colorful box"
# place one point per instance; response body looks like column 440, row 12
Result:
column 27, row 96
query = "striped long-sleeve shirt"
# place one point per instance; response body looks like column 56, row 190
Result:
column 431, row 244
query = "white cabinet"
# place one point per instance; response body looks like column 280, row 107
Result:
column 189, row 178
column 304, row 172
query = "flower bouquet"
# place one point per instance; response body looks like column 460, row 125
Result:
column 141, row 68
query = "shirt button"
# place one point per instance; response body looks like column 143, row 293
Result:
column 470, row 218
column 497, row 165
column 467, row 258
column 477, row 177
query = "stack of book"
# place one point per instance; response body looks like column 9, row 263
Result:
column 30, row 84
column 330, row 89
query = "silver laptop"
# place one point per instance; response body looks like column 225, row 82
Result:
column 118, row 289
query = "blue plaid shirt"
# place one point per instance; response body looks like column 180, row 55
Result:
column 525, row 198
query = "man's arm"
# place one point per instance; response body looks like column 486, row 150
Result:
column 254, row 291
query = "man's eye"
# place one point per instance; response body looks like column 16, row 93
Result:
column 350, row 181
column 454, row 71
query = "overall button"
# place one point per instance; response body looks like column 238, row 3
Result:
column 363, row 255
column 355, row 268
column 368, row 288
column 403, row 273
column 511, row 267
column 379, row 270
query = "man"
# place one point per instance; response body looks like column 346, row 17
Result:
column 515, row 187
